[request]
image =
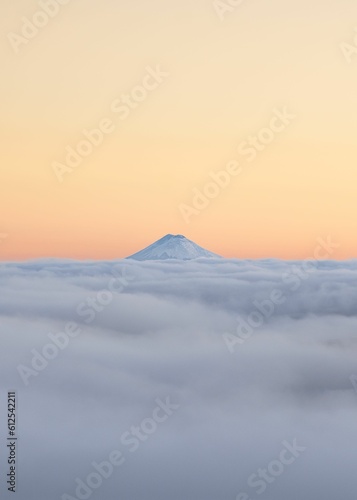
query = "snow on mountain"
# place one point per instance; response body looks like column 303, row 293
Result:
column 173, row 247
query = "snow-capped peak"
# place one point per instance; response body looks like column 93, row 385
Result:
column 172, row 247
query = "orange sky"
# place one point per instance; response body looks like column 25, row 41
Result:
column 180, row 93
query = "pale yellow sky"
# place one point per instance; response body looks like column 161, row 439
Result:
column 206, row 86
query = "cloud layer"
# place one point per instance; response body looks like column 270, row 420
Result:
column 151, row 331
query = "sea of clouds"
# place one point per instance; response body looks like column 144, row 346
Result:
column 241, row 377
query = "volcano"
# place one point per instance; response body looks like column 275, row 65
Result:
column 173, row 247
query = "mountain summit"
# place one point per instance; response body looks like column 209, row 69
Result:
column 172, row 247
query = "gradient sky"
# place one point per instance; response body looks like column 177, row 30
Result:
column 225, row 79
